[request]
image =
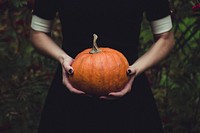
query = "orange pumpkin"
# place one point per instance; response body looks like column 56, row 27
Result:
column 99, row 71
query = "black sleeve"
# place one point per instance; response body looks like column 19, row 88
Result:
column 45, row 9
column 156, row 9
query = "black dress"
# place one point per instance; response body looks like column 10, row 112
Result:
column 117, row 23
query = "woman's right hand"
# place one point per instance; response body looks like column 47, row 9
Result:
column 66, row 71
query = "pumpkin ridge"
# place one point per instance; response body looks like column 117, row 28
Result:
column 108, row 73
column 100, row 72
column 118, row 65
column 78, row 72
column 89, row 71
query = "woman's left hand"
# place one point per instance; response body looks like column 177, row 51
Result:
column 115, row 95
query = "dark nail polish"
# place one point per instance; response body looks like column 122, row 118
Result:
column 70, row 71
column 129, row 72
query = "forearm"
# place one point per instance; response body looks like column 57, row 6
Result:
column 156, row 53
column 47, row 46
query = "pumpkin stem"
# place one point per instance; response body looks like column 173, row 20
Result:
column 95, row 48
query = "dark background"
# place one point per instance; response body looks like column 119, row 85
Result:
column 25, row 75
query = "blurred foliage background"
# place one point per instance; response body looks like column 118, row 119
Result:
column 25, row 75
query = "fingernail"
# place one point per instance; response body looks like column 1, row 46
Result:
column 129, row 72
column 70, row 71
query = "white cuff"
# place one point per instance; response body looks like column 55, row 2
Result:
column 161, row 25
column 40, row 24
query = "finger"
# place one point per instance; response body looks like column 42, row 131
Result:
column 108, row 97
column 131, row 72
column 125, row 90
column 68, row 68
column 112, row 96
column 70, row 71
column 71, row 88
column 74, row 90
column 119, row 94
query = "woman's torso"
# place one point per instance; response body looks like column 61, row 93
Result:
column 117, row 23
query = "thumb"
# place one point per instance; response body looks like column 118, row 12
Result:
column 68, row 69
column 131, row 71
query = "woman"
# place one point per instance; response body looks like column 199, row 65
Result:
column 132, row 110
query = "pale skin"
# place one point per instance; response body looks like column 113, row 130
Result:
column 159, row 50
